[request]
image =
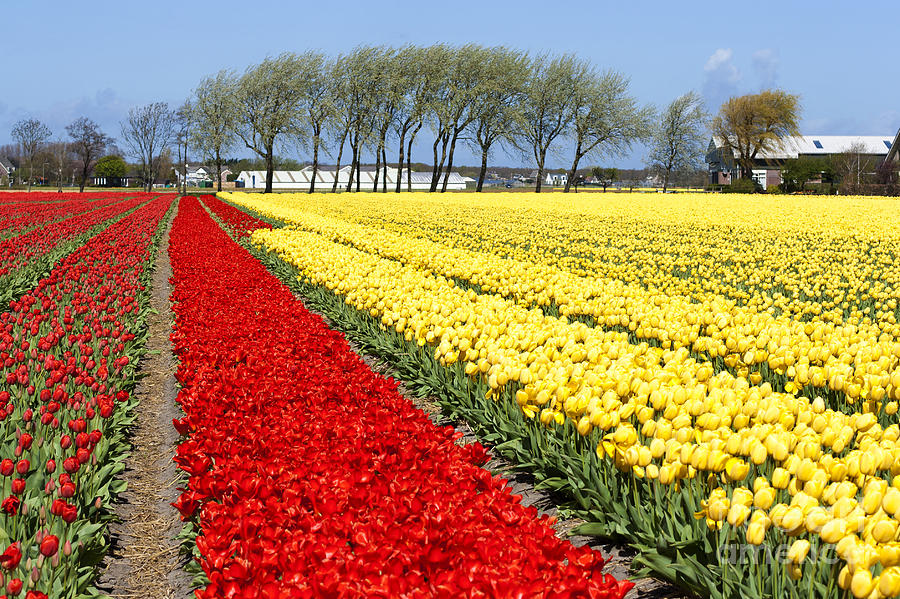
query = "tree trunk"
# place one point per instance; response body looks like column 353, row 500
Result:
column 578, row 156
column 270, row 168
column 542, row 155
column 434, row 168
column 384, row 162
column 84, row 174
column 450, row 160
column 30, row 176
column 377, row 169
column 352, row 166
column 409, row 157
column 483, row 172
column 358, row 170
column 400, row 162
column 315, row 170
column 218, row 171
column 337, row 167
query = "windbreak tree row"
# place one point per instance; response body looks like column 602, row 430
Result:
column 375, row 102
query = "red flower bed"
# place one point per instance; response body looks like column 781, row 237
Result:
column 17, row 251
column 239, row 223
column 28, row 212
column 311, row 476
column 68, row 350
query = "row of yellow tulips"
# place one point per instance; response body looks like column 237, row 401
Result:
column 857, row 362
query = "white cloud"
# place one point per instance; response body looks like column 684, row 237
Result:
column 765, row 63
column 721, row 78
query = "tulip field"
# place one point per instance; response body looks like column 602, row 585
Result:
column 68, row 346
column 712, row 379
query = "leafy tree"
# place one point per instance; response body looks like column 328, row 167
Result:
column 605, row 176
column 754, row 123
column 420, row 70
column 111, row 167
column 214, row 116
column 268, row 99
column 797, row 172
column 678, row 137
column 316, row 103
column 88, row 144
column 493, row 107
column 31, row 135
column 605, row 119
column 465, row 85
column 545, row 112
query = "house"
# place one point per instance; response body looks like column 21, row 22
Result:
column 556, row 179
column 301, row 180
column 724, row 168
column 7, row 167
column 196, row 174
column 893, row 155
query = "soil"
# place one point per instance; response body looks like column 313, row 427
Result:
column 144, row 560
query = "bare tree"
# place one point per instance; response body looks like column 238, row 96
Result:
column 146, row 133
column 60, row 151
column 183, row 126
column 88, row 144
column 678, row 137
column 31, row 134
column 605, row 119
column 268, row 107
column 545, row 112
column 213, row 118
column 854, row 167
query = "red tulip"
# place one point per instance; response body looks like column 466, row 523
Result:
column 10, row 558
column 49, row 545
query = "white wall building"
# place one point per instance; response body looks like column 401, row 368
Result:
column 556, row 179
column 300, row 180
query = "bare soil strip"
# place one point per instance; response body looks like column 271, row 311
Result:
column 144, row 559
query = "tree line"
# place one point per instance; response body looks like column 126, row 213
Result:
column 377, row 101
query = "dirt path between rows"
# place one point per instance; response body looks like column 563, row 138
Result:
column 144, row 561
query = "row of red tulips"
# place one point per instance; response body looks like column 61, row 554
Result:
column 28, row 214
column 311, row 476
column 52, row 197
column 21, row 249
column 237, row 223
column 68, row 350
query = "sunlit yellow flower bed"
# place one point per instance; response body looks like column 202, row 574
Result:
column 721, row 400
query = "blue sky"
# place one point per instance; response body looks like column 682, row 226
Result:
column 64, row 59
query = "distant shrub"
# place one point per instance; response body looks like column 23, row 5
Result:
column 743, row 186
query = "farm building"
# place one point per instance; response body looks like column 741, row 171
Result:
column 723, row 169
column 300, row 180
